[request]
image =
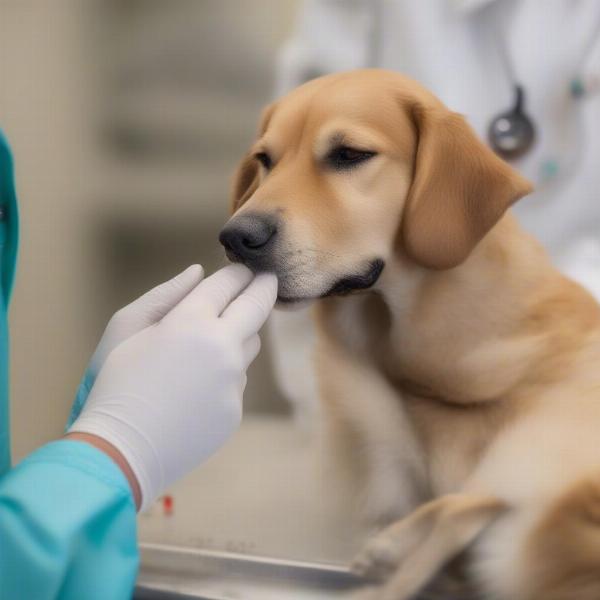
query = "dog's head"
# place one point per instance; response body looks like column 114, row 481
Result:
column 352, row 170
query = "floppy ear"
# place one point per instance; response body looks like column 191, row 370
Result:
column 460, row 189
column 245, row 179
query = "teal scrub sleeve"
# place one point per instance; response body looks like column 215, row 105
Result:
column 9, row 238
column 67, row 527
column 83, row 391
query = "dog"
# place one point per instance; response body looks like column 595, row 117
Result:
column 459, row 370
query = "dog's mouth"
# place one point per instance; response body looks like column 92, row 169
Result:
column 361, row 281
column 343, row 286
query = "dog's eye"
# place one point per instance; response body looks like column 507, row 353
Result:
column 264, row 159
column 345, row 157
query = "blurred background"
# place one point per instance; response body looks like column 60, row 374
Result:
column 127, row 119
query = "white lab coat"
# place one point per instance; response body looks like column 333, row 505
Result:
column 455, row 48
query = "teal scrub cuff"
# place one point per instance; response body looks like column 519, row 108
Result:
column 67, row 518
column 82, row 457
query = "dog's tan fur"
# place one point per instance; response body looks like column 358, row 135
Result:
column 465, row 384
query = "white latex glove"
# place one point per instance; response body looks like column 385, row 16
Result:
column 170, row 395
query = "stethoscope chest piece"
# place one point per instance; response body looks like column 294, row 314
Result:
column 512, row 133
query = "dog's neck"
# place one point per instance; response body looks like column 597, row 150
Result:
column 476, row 332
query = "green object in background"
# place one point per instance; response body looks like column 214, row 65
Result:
column 577, row 88
column 549, row 169
column 9, row 238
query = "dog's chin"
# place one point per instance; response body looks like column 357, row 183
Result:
column 343, row 286
column 293, row 304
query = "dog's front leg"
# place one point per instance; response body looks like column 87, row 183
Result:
column 416, row 548
column 371, row 434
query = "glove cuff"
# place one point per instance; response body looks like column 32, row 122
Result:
column 133, row 446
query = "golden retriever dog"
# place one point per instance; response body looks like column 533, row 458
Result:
column 459, row 370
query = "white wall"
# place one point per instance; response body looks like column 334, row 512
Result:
column 43, row 88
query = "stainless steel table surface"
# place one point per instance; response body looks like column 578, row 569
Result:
column 172, row 573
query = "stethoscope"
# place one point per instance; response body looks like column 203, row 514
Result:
column 512, row 133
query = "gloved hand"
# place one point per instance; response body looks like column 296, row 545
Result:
column 141, row 313
column 170, row 395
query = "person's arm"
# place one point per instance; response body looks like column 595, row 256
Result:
column 164, row 399
column 71, row 505
column 114, row 454
column 67, row 526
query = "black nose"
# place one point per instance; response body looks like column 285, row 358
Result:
column 248, row 238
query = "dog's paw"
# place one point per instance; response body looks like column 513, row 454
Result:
column 378, row 559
